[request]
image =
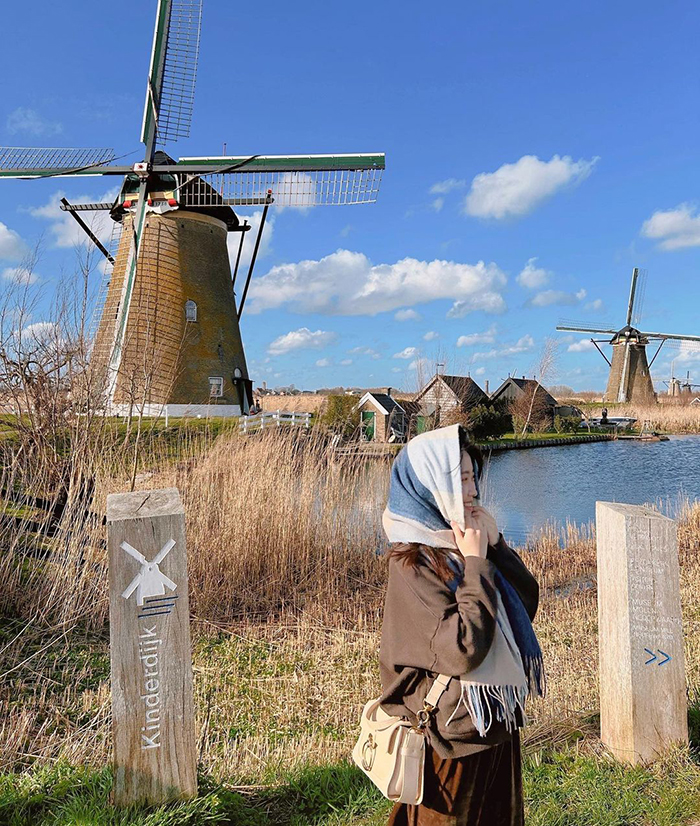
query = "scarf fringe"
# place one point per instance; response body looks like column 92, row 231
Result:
column 500, row 701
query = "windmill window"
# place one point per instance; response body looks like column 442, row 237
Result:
column 190, row 311
column 216, row 386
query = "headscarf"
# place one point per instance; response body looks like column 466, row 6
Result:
column 425, row 495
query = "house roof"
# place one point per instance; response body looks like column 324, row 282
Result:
column 464, row 387
column 526, row 385
column 384, row 402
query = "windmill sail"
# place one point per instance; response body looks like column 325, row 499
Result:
column 294, row 180
column 171, row 79
column 39, row 162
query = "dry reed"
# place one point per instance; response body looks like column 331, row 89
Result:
column 286, row 587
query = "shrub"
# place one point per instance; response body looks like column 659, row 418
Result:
column 488, row 422
column 567, row 424
column 340, row 415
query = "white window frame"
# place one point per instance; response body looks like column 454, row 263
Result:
column 216, row 382
column 189, row 306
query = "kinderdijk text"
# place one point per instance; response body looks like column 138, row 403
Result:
column 149, row 654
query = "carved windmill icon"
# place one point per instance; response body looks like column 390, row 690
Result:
column 168, row 321
column 630, row 378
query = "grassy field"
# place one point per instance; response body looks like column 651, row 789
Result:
column 286, row 584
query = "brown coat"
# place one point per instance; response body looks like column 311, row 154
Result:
column 430, row 630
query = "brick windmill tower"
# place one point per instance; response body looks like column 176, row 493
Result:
column 630, row 377
column 166, row 332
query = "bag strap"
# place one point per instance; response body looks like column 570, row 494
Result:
column 437, row 689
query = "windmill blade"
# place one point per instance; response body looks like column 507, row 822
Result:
column 47, row 162
column 671, row 337
column 639, row 297
column 579, row 328
column 138, row 556
column 633, row 290
column 292, row 180
column 122, row 315
column 171, row 79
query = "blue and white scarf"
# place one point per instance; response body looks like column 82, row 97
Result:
column 425, row 495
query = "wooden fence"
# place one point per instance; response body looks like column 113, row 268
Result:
column 276, row 418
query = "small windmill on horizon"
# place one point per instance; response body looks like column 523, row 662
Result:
column 168, row 332
column 630, row 377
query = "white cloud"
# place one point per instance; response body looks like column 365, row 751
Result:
column 346, row 283
column 446, row 186
column 675, row 228
column 487, row 337
column 66, row 230
column 406, row 353
column 324, row 363
column 407, row 315
column 480, row 371
column 522, row 345
column 488, row 301
column 30, row 122
column 442, row 188
column 430, row 335
column 233, row 240
column 594, row 305
column 688, row 352
column 532, row 277
column 580, row 346
column 397, row 369
column 12, row 248
column 517, row 188
column 19, row 275
column 301, row 339
column 365, row 351
column 547, row 298
column 345, row 231
column 421, row 365
column 345, row 362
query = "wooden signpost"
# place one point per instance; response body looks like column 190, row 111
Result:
column 643, row 697
column 152, row 706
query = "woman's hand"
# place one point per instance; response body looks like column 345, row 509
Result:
column 474, row 540
column 487, row 521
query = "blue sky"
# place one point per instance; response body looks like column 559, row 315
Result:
column 536, row 153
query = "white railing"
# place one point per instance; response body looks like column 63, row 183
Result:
column 276, row 418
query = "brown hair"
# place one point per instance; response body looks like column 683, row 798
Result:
column 409, row 554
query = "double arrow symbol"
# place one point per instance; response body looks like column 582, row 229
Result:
column 653, row 657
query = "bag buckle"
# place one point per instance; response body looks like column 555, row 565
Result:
column 424, row 716
column 369, row 750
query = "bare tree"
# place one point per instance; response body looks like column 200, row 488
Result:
column 530, row 408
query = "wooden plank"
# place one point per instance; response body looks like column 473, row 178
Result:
column 643, row 696
column 152, row 703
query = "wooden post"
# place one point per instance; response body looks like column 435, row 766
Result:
column 643, row 696
column 155, row 756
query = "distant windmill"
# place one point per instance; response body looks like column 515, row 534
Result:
column 168, row 330
column 678, row 388
column 630, row 378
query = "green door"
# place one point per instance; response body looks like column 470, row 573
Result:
column 422, row 424
column 368, row 425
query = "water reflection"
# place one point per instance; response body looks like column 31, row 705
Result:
column 525, row 489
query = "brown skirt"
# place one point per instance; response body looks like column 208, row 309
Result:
column 482, row 789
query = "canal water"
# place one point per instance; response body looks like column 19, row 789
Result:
column 525, row 489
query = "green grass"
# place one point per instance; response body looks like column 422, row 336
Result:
column 562, row 788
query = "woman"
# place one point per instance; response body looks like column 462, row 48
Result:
column 459, row 602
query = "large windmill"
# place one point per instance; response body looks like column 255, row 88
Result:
column 630, row 377
column 168, row 332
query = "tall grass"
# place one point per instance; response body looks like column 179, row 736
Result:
column 668, row 418
column 287, row 588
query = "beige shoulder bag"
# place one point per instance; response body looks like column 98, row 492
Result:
column 391, row 752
